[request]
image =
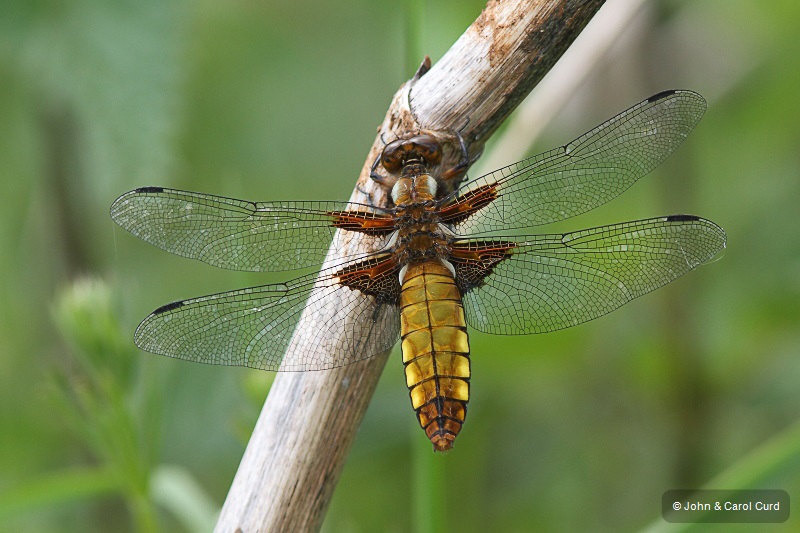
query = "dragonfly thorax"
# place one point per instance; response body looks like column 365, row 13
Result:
column 417, row 189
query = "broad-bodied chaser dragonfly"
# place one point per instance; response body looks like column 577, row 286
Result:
column 442, row 258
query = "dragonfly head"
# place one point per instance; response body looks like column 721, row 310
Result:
column 421, row 149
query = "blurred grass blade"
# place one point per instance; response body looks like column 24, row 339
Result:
column 414, row 18
column 54, row 489
column 176, row 490
column 428, row 485
column 753, row 471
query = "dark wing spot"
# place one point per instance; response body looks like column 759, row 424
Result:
column 661, row 95
column 682, row 218
column 150, row 189
column 168, row 307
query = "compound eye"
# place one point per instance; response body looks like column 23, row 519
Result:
column 392, row 156
column 428, row 148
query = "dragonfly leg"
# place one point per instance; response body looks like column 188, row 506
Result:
column 384, row 181
column 453, row 175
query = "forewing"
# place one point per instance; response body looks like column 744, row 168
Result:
column 309, row 323
column 550, row 282
column 588, row 172
column 242, row 235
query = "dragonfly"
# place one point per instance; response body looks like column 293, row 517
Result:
column 440, row 255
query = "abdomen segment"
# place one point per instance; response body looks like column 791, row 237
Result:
column 435, row 350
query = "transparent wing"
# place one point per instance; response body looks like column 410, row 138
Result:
column 234, row 234
column 304, row 324
column 551, row 282
column 588, row 172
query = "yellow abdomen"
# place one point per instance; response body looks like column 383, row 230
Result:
column 435, row 350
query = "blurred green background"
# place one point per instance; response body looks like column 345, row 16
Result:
column 584, row 429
